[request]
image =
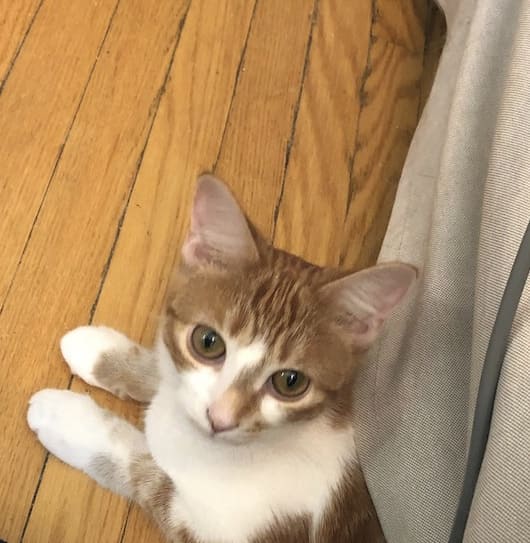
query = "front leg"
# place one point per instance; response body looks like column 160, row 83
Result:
column 108, row 359
column 107, row 448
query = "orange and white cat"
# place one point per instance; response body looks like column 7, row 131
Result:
column 248, row 430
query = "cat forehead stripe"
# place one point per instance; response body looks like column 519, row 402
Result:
column 241, row 358
column 250, row 355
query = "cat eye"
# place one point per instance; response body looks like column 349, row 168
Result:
column 290, row 384
column 206, row 344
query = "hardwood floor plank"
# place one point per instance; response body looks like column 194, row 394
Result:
column 37, row 106
column 60, row 275
column 390, row 102
column 252, row 158
column 317, row 181
column 15, row 21
column 402, row 23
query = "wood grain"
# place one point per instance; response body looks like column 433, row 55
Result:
column 15, row 22
column 59, row 277
column 314, row 200
column 402, row 23
column 390, row 102
column 260, row 125
column 111, row 110
column 37, row 106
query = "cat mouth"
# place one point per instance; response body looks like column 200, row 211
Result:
column 196, row 425
column 230, row 437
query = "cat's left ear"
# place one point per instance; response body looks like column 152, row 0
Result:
column 361, row 302
column 219, row 233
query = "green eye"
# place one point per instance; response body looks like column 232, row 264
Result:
column 290, row 383
column 207, row 344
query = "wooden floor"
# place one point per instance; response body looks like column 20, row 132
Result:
column 108, row 111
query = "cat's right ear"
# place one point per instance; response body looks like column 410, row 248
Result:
column 219, row 233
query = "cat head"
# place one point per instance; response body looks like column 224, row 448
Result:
column 262, row 340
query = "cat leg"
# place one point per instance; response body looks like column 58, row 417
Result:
column 155, row 493
column 108, row 359
column 114, row 453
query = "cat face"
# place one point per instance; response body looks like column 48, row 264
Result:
column 262, row 340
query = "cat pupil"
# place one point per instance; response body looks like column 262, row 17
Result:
column 292, row 377
column 209, row 340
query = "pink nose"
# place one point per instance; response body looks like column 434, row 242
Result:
column 221, row 419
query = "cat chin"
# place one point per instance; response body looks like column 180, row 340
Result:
column 233, row 439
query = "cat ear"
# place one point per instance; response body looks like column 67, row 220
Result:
column 362, row 301
column 219, row 233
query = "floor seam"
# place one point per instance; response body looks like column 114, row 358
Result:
column 290, row 141
column 11, row 64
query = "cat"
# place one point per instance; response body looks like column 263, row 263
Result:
column 248, row 430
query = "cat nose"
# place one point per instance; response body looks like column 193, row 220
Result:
column 221, row 419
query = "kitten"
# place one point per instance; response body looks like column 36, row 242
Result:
column 248, row 432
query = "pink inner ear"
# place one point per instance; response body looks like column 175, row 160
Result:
column 194, row 251
column 219, row 232
column 382, row 287
column 364, row 299
column 358, row 326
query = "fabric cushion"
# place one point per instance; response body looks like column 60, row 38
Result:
column 461, row 210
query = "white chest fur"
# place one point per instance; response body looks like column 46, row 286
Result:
column 227, row 492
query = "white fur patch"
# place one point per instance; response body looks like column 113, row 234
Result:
column 271, row 410
column 196, row 392
column 83, row 347
column 238, row 359
column 76, row 430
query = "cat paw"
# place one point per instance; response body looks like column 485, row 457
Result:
column 75, row 429
column 70, row 425
column 84, row 347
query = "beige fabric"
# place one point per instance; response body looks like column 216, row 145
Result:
column 461, row 210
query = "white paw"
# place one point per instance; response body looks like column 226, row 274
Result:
column 83, row 348
column 70, row 425
column 77, row 430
